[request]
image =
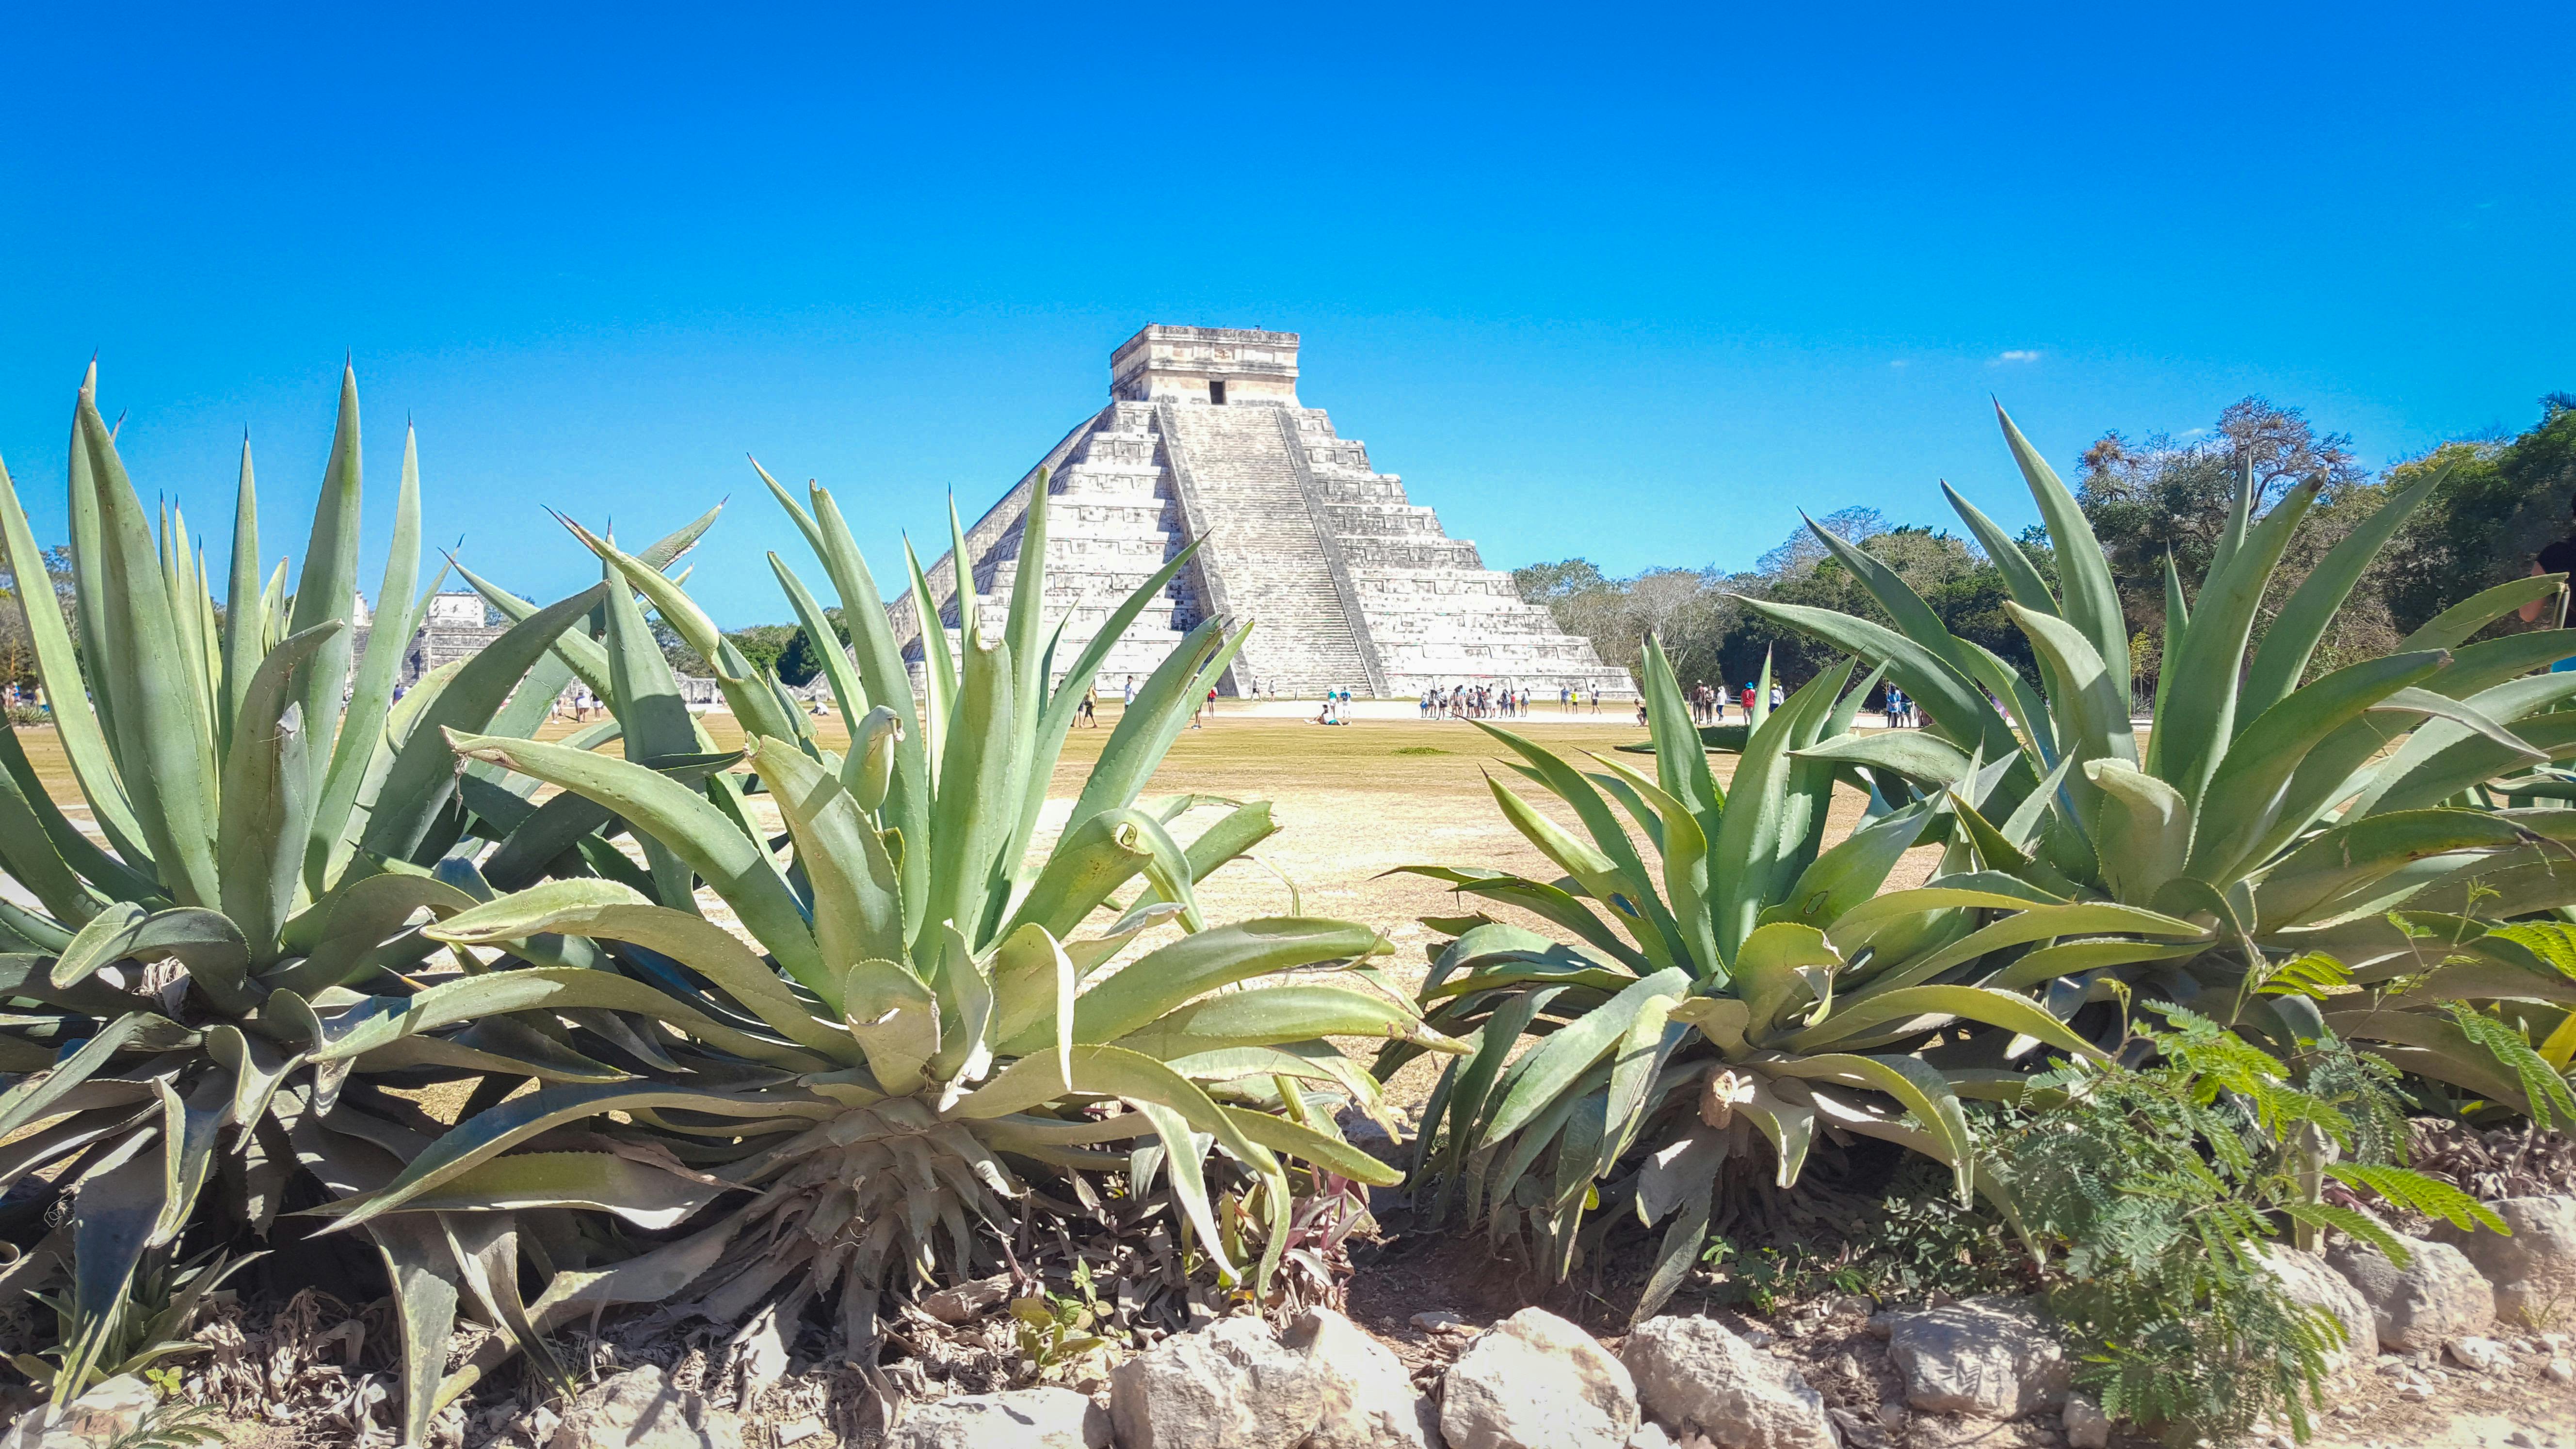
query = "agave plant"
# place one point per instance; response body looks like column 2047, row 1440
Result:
column 928, row 1023
column 183, row 995
column 1702, row 1014
column 2338, row 825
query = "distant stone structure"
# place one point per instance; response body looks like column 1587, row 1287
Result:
column 455, row 629
column 1349, row 584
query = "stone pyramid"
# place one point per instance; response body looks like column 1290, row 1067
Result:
column 1351, row 585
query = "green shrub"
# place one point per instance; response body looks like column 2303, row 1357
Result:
column 2152, row 1195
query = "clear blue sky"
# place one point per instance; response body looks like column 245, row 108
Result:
column 1631, row 283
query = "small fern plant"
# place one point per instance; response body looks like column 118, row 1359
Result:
column 2153, row 1194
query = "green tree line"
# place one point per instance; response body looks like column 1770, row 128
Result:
column 2499, row 501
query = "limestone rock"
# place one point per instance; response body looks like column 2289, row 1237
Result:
column 1990, row 1356
column 108, row 1412
column 639, row 1409
column 2534, row 1271
column 1535, row 1381
column 1695, row 1376
column 1859, row 1431
column 1369, row 1401
column 2309, row 1282
column 2560, row 1371
column 2478, row 1355
column 1650, row 1435
column 1020, row 1419
column 2438, row 1296
column 1230, row 1385
column 2087, row 1427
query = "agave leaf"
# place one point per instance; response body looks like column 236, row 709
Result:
column 1686, row 868
column 965, row 1011
column 608, row 911
column 2021, row 577
column 1548, row 902
column 2353, row 854
column 1851, row 872
column 1308, row 1145
column 265, row 821
column 422, row 1267
column 838, row 670
column 1623, row 894
column 2093, row 704
column 736, row 867
column 653, row 1198
column 1186, row 1156
column 2446, row 756
column 1145, row 732
column 2200, row 711
column 2092, row 600
column 28, row 853
column 1608, row 837
column 422, row 779
column 188, row 1131
column 1273, row 1015
column 882, row 673
column 1172, row 975
column 1853, row 1018
column 551, row 988
column 371, row 689
column 58, row 666
column 165, row 742
column 586, row 657
column 488, row 1134
column 2291, row 641
column 328, row 585
column 2243, row 819
column 756, row 708
column 1957, row 710
column 37, row 1097
column 1916, row 1084
column 2142, row 829
column 857, row 896
column 1569, row 1054
column 120, row 1199
column 1758, row 843
column 2455, row 625
column 2069, row 958
column 1917, row 755
column 343, row 936
column 895, row 1019
column 1681, row 766
column 969, row 816
column 1860, row 925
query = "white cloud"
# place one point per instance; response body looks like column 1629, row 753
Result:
column 2019, row 354
column 1900, row 362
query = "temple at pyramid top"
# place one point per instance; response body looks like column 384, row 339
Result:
column 1216, row 365
column 1350, row 585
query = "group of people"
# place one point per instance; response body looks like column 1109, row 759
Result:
column 1902, row 712
column 1475, row 701
column 1708, row 703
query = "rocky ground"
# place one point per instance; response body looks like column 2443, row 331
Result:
column 2464, row 1347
